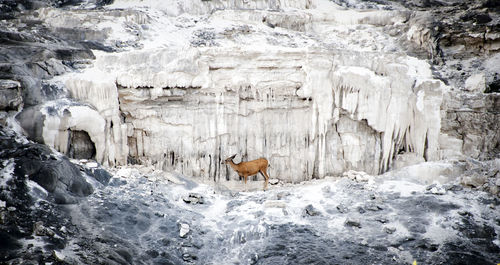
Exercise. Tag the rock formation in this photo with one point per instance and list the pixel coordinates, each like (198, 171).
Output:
(315, 88)
(320, 88)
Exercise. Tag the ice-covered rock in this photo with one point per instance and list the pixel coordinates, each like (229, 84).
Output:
(185, 108)
(183, 230)
(315, 88)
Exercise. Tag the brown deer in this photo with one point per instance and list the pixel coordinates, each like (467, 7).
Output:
(250, 168)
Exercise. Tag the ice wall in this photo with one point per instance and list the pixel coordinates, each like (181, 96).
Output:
(317, 98)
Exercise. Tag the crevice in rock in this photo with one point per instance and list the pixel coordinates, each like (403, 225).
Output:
(80, 146)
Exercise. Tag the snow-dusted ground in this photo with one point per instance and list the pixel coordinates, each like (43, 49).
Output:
(148, 216)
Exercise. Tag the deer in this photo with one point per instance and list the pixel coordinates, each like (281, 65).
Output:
(250, 168)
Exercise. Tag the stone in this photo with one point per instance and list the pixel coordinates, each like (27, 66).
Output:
(117, 182)
(357, 175)
(438, 190)
(353, 223)
(474, 179)
(382, 220)
(187, 257)
(58, 256)
(54, 173)
(389, 230)
(40, 230)
(98, 173)
(476, 83)
(274, 181)
(10, 95)
(311, 211)
(183, 230)
(193, 198)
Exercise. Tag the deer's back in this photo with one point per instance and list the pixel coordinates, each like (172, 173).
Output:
(252, 167)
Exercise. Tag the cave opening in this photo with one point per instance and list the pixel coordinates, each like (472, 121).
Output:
(80, 145)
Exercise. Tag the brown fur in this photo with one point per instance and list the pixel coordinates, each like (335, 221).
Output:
(250, 168)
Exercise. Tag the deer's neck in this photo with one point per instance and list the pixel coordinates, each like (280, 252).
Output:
(233, 165)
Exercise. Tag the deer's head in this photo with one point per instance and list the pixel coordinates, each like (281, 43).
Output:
(229, 159)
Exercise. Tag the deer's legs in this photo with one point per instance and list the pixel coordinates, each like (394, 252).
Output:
(245, 177)
(264, 173)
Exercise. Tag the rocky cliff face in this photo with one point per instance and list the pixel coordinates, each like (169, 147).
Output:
(316, 88)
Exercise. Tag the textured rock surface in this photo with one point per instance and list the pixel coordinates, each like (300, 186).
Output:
(54, 173)
(389, 220)
(10, 95)
(187, 108)
(315, 88)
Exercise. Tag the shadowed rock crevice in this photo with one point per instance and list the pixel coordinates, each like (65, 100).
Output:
(80, 145)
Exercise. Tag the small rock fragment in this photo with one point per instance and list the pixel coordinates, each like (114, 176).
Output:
(389, 230)
(383, 220)
(193, 198)
(274, 181)
(353, 223)
(189, 257)
(40, 230)
(184, 230)
(58, 256)
(311, 211)
(358, 176)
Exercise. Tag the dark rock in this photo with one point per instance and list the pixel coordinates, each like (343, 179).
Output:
(40, 230)
(311, 211)
(125, 254)
(193, 198)
(153, 253)
(382, 220)
(10, 95)
(493, 87)
(56, 174)
(116, 182)
(81, 146)
(352, 223)
(100, 174)
(189, 257)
